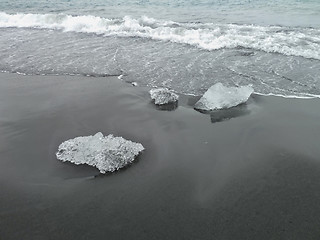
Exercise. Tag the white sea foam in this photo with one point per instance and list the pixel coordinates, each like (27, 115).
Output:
(298, 96)
(303, 42)
(108, 153)
(220, 97)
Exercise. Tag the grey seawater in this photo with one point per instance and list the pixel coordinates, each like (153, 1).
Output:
(184, 68)
(260, 12)
(186, 45)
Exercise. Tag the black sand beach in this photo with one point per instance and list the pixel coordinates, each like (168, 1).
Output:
(252, 172)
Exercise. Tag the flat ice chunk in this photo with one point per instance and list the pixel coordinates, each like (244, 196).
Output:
(108, 153)
(163, 96)
(220, 97)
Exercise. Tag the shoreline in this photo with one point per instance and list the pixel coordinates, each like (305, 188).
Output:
(245, 173)
(134, 84)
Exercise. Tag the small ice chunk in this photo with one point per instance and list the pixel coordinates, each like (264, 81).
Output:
(134, 84)
(120, 76)
(220, 97)
(108, 153)
(163, 96)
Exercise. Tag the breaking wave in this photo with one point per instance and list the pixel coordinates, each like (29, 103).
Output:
(304, 42)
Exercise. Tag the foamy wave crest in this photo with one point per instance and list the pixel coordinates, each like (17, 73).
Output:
(303, 42)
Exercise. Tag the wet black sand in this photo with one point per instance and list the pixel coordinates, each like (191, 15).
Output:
(249, 173)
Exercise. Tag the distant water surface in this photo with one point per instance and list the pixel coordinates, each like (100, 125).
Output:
(184, 45)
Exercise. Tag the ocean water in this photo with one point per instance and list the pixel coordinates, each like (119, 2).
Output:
(186, 45)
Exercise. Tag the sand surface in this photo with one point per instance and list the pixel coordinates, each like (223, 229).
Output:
(252, 172)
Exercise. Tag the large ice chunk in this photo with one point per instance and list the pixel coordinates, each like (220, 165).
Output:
(108, 153)
(163, 96)
(220, 97)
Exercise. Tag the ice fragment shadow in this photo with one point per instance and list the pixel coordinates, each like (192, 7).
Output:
(226, 114)
(166, 107)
